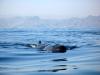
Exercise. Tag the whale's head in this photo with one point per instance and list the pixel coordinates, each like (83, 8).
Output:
(59, 48)
(56, 48)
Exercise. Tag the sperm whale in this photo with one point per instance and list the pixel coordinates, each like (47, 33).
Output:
(56, 48)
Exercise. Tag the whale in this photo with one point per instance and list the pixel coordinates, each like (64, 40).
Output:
(55, 48)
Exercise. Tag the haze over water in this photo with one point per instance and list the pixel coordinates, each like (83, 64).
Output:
(67, 22)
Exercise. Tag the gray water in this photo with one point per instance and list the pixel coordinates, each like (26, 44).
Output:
(16, 58)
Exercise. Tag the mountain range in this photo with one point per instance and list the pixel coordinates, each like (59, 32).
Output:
(35, 22)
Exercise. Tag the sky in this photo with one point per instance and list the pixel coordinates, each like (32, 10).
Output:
(49, 8)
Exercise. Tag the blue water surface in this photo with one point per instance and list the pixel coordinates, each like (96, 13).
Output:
(16, 58)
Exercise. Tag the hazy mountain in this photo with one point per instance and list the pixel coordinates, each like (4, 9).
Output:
(90, 22)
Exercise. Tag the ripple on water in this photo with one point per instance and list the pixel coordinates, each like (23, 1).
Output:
(16, 58)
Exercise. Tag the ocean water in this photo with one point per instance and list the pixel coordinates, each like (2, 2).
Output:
(16, 58)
